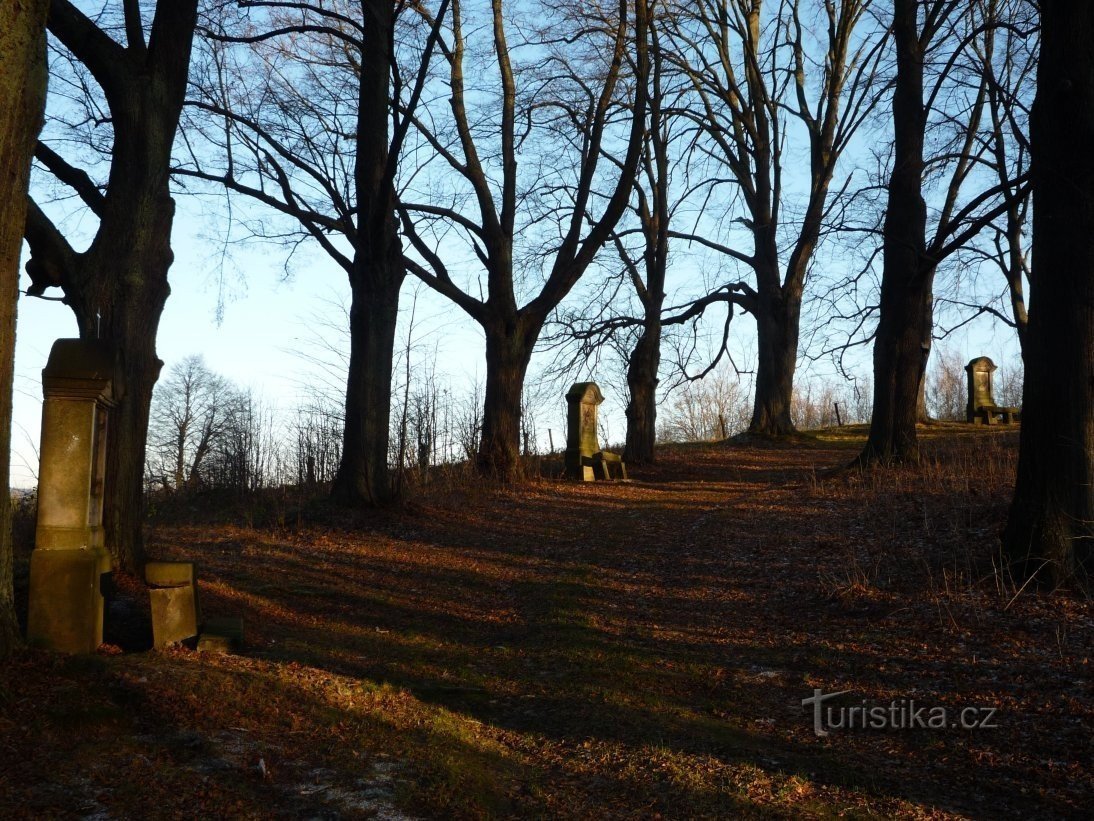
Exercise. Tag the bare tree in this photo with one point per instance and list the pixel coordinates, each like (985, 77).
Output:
(754, 91)
(191, 412)
(554, 202)
(317, 449)
(947, 387)
(247, 456)
(899, 355)
(117, 286)
(1050, 530)
(707, 409)
(1004, 55)
(22, 101)
(648, 273)
(294, 111)
(641, 240)
(902, 343)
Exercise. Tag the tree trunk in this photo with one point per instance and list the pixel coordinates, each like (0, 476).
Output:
(362, 476)
(135, 276)
(905, 283)
(921, 413)
(777, 319)
(123, 508)
(508, 352)
(1050, 530)
(375, 279)
(642, 369)
(22, 102)
(121, 298)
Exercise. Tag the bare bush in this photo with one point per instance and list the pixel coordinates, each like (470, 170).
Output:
(714, 407)
(947, 387)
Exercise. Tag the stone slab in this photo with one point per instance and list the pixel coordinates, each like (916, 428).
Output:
(174, 615)
(170, 574)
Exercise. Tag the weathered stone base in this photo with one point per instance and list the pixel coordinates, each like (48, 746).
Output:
(986, 415)
(66, 600)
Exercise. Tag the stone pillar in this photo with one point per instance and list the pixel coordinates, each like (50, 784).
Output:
(980, 372)
(582, 401)
(70, 561)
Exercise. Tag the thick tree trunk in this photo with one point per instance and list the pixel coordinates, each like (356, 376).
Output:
(777, 321)
(22, 101)
(899, 366)
(123, 509)
(1050, 530)
(641, 412)
(362, 476)
(123, 293)
(905, 284)
(508, 352)
(375, 280)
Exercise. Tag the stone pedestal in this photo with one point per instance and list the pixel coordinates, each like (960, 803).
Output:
(66, 600)
(176, 615)
(80, 385)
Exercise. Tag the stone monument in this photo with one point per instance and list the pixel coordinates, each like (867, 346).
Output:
(584, 459)
(70, 563)
(981, 407)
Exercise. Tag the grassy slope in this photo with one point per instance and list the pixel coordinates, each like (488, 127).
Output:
(586, 650)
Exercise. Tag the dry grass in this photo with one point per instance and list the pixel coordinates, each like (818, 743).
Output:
(622, 650)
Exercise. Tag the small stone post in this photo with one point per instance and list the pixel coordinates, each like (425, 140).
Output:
(67, 568)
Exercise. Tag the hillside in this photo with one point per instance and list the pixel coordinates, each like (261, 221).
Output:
(607, 650)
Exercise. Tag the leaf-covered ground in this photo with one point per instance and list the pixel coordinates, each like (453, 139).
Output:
(559, 649)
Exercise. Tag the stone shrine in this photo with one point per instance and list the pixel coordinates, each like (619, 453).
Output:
(584, 459)
(70, 563)
(981, 407)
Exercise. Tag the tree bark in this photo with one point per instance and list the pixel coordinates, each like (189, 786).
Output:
(777, 328)
(641, 410)
(655, 214)
(905, 283)
(362, 476)
(123, 508)
(508, 352)
(22, 103)
(1050, 529)
(121, 297)
(922, 415)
